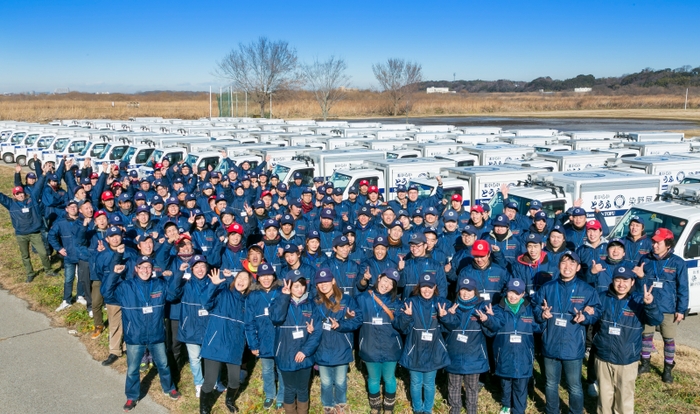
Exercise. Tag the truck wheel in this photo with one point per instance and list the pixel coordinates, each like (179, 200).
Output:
(8, 158)
(21, 160)
(30, 164)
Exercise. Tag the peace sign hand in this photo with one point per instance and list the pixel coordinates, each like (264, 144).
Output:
(310, 327)
(441, 310)
(334, 323)
(483, 317)
(489, 309)
(191, 219)
(287, 289)
(580, 317)
(546, 311)
(409, 309)
(453, 309)
(648, 297)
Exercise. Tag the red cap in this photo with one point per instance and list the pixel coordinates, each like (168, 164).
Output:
(457, 197)
(115, 167)
(212, 197)
(94, 176)
(364, 182)
(99, 213)
(662, 234)
(594, 224)
(235, 228)
(17, 190)
(373, 189)
(477, 208)
(116, 184)
(183, 237)
(158, 166)
(107, 195)
(265, 193)
(480, 248)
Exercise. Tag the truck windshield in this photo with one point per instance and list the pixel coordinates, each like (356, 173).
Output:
(691, 180)
(192, 160)
(340, 180)
(60, 144)
(44, 142)
(542, 149)
(423, 189)
(281, 172)
(156, 155)
(652, 221)
(16, 138)
(30, 139)
(128, 154)
(391, 155)
(117, 152)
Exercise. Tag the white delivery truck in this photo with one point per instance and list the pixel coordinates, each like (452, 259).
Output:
(474, 139)
(574, 160)
(203, 159)
(498, 153)
(652, 136)
(671, 168)
(432, 149)
(137, 155)
(460, 159)
(384, 144)
(99, 152)
(480, 130)
(528, 140)
(64, 146)
(20, 151)
(476, 185)
(588, 144)
(324, 163)
(533, 132)
(679, 211)
(610, 191)
(589, 135)
(389, 173)
(173, 154)
(658, 147)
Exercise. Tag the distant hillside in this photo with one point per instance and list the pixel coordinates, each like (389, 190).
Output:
(685, 76)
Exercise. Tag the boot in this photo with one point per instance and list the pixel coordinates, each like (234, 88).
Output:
(389, 401)
(302, 407)
(206, 401)
(231, 399)
(290, 408)
(375, 404)
(667, 376)
(341, 409)
(644, 367)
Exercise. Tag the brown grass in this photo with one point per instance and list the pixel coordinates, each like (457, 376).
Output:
(358, 104)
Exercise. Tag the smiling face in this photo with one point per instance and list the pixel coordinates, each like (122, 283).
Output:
(514, 298)
(427, 292)
(384, 285)
(325, 288)
(568, 268)
(298, 290)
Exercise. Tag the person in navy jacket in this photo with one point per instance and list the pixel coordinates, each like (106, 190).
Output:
(142, 300)
(63, 237)
(380, 342)
(488, 277)
(466, 346)
(297, 336)
(565, 307)
(513, 325)
(341, 317)
(422, 321)
(224, 301)
(618, 340)
(260, 333)
(637, 244)
(345, 270)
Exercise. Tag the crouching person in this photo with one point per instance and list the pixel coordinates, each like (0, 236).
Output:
(142, 300)
(619, 340)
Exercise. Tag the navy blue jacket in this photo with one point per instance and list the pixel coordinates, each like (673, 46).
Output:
(419, 354)
(415, 267)
(513, 359)
(336, 345)
(289, 317)
(224, 337)
(66, 234)
(466, 343)
(345, 272)
(490, 281)
(379, 342)
(635, 250)
(26, 216)
(259, 331)
(670, 270)
(534, 274)
(193, 317)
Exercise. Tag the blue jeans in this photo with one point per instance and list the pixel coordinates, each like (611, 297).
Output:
(69, 276)
(268, 377)
(134, 353)
(376, 371)
(193, 352)
(423, 390)
(572, 371)
(334, 385)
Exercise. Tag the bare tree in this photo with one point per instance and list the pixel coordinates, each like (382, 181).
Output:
(261, 68)
(328, 82)
(398, 78)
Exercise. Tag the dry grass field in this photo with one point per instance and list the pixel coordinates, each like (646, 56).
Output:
(357, 104)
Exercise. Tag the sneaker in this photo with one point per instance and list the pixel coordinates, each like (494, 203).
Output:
(268, 403)
(51, 273)
(197, 390)
(220, 387)
(90, 313)
(505, 410)
(143, 367)
(593, 389)
(173, 394)
(64, 305)
(130, 404)
(81, 300)
(30, 278)
(279, 406)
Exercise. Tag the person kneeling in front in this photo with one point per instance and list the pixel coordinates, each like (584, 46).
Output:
(142, 299)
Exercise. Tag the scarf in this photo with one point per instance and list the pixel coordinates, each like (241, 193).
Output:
(306, 207)
(515, 308)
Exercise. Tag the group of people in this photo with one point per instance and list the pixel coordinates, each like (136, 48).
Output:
(233, 267)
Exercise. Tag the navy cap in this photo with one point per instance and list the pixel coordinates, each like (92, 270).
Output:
(238, 185)
(156, 200)
(535, 204)
(533, 238)
(328, 213)
(337, 191)
(313, 234)
(197, 212)
(143, 209)
(140, 195)
(114, 231)
(185, 165)
(623, 273)
(578, 211)
(253, 174)
(417, 213)
(328, 200)
(158, 183)
(417, 238)
(295, 202)
(486, 207)
(540, 215)
(501, 220)
(172, 200)
(353, 190)
(286, 219)
(431, 210)
(512, 205)
(265, 270)
(364, 211)
(467, 283)
(469, 229)
(297, 176)
(380, 241)
(517, 286)
(258, 204)
(572, 255)
(220, 197)
(33, 176)
(402, 213)
(84, 181)
(52, 177)
(340, 241)
(116, 220)
(321, 190)
(617, 241)
(271, 223)
(245, 177)
(323, 275)
(293, 275)
(427, 279)
(307, 190)
(329, 184)
(197, 258)
(282, 187)
(450, 215)
(348, 228)
(392, 274)
(124, 197)
(395, 223)
(190, 197)
(318, 179)
(73, 201)
(400, 188)
(213, 174)
(412, 187)
(143, 259)
(262, 173)
(558, 229)
(229, 210)
(637, 219)
(290, 248)
(178, 180)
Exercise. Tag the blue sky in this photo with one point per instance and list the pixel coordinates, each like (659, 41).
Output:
(127, 46)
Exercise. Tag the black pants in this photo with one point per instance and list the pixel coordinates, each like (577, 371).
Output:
(84, 279)
(296, 385)
(175, 344)
(211, 374)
